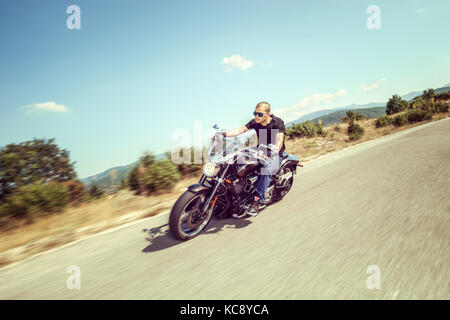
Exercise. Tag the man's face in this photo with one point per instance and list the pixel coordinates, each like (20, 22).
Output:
(264, 113)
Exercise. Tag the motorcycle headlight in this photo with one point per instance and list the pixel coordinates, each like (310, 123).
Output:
(210, 169)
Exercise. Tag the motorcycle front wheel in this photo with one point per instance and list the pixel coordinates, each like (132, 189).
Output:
(186, 220)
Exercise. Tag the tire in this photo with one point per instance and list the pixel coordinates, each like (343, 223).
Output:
(283, 192)
(188, 200)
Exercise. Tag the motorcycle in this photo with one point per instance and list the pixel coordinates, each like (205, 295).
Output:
(226, 187)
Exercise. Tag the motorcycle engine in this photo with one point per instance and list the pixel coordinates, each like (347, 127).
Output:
(237, 186)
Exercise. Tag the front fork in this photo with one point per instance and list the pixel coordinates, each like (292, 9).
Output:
(214, 190)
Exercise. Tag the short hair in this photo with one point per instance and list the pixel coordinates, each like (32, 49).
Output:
(264, 105)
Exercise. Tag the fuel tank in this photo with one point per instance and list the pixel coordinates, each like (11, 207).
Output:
(245, 168)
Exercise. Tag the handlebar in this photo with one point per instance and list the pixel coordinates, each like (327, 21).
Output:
(257, 153)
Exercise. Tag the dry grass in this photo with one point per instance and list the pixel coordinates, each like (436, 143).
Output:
(307, 149)
(16, 233)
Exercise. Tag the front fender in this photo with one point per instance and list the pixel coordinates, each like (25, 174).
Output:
(198, 187)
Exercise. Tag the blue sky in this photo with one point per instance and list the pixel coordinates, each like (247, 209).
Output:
(138, 70)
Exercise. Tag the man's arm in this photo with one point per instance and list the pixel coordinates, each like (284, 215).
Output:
(279, 139)
(236, 132)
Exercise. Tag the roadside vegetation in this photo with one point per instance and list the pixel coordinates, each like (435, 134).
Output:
(399, 112)
(37, 180)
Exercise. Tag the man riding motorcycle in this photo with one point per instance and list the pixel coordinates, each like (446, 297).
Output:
(270, 131)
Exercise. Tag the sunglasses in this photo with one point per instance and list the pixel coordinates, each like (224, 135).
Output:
(258, 113)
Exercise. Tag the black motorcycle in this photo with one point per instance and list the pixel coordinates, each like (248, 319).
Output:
(226, 186)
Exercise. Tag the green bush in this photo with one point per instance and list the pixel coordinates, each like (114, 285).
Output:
(383, 121)
(188, 169)
(396, 104)
(428, 94)
(76, 191)
(123, 184)
(320, 130)
(355, 131)
(36, 199)
(133, 178)
(400, 120)
(352, 116)
(337, 127)
(33, 161)
(417, 102)
(427, 106)
(96, 192)
(417, 115)
(441, 107)
(306, 129)
(161, 175)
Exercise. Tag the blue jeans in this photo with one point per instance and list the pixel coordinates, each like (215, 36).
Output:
(269, 168)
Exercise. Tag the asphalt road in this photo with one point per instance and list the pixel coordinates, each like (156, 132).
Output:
(384, 203)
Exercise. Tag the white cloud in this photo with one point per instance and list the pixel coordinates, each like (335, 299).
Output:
(236, 61)
(49, 106)
(370, 86)
(307, 105)
(420, 10)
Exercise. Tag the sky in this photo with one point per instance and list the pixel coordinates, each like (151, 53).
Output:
(136, 72)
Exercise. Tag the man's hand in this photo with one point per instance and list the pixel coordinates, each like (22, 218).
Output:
(236, 132)
(273, 148)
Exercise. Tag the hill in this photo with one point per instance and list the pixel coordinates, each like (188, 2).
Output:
(335, 117)
(412, 95)
(320, 113)
(109, 180)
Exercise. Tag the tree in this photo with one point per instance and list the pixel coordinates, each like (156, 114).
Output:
(76, 191)
(38, 160)
(161, 175)
(133, 178)
(191, 168)
(35, 199)
(354, 130)
(123, 184)
(352, 116)
(396, 104)
(95, 191)
(417, 102)
(428, 94)
(147, 159)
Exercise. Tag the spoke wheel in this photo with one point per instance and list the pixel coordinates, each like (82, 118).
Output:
(186, 219)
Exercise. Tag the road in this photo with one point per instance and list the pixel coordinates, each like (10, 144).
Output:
(384, 203)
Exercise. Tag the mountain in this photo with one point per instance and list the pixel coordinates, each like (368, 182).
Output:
(412, 95)
(317, 114)
(335, 117)
(443, 89)
(109, 180)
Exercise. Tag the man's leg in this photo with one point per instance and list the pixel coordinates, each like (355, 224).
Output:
(270, 168)
(261, 186)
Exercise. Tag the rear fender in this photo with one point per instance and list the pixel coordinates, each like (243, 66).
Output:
(291, 162)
